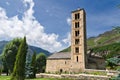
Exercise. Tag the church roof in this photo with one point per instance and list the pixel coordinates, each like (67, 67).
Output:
(61, 55)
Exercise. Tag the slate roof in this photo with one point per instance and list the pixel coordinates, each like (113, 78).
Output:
(61, 55)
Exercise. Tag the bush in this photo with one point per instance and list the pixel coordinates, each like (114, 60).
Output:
(116, 78)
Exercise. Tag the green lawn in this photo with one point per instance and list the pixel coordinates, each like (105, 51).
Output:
(8, 78)
(4, 77)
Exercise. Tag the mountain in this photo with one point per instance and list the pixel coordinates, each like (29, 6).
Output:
(2, 44)
(39, 50)
(66, 49)
(106, 38)
(31, 48)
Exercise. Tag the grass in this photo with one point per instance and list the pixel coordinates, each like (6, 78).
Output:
(97, 73)
(4, 77)
(108, 38)
(8, 78)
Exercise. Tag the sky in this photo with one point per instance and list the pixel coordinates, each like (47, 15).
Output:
(47, 23)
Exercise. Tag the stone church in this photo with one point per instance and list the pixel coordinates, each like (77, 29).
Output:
(77, 60)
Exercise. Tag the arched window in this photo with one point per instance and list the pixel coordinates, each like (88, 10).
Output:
(77, 16)
(76, 24)
(77, 50)
(77, 33)
(76, 41)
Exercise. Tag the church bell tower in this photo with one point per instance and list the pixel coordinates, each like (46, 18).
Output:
(78, 40)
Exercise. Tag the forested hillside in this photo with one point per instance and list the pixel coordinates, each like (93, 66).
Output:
(31, 48)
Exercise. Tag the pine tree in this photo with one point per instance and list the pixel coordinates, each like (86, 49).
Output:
(28, 70)
(19, 67)
(30, 67)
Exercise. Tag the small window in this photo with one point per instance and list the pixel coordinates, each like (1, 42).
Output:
(76, 41)
(78, 15)
(65, 62)
(77, 58)
(77, 49)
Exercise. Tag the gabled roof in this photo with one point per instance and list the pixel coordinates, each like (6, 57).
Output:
(61, 55)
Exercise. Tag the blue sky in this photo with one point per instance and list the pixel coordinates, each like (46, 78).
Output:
(46, 23)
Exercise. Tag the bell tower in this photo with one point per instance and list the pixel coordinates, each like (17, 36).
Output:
(78, 40)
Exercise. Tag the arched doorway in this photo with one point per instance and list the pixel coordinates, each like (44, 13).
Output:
(61, 70)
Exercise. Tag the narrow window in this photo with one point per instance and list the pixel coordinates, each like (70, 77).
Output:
(77, 33)
(77, 24)
(65, 62)
(75, 16)
(78, 15)
(77, 58)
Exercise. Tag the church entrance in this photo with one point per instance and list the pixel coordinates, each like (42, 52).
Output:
(61, 71)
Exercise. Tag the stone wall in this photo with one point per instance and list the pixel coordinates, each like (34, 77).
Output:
(97, 63)
(95, 70)
(74, 76)
(54, 66)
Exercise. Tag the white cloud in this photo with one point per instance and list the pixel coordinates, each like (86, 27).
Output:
(68, 21)
(67, 40)
(29, 26)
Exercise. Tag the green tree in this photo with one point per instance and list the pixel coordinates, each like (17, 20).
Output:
(33, 65)
(30, 65)
(19, 67)
(9, 54)
(113, 62)
(28, 71)
(41, 62)
(116, 78)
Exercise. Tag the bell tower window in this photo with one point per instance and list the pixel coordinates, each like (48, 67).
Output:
(77, 50)
(77, 33)
(76, 41)
(77, 16)
(76, 24)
